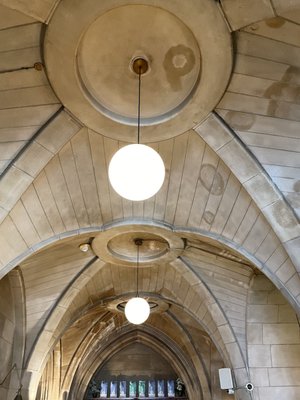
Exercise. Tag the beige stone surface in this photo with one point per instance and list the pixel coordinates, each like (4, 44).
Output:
(12, 185)
(284, 376)
(255, 333)
(285, 355)
(233, 157)
(209, 125)
(284, 222)
(276, 297)
(258, 297)
(278, 258)
(289, 10)
(262, 313)
(58, 132)
(230, 197)
(260, 376)
(259, 355)
(286, 314)
(7, 327)
(278, 393)
(37, 9)
(263, 189)
(235, 354)
(239, 15)
(10, 17)
(281, 333)
(24, 162)
(293, 284)
(294, 246)
(226, 333)
(286, 271)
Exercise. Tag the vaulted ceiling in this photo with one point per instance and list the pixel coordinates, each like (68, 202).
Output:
(227, 127)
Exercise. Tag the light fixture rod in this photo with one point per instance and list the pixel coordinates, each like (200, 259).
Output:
(138, 243)
(139, 106)
(139, 66)
(137, 270)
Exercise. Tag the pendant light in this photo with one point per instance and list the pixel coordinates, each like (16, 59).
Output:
(136, 171)
(137, 309)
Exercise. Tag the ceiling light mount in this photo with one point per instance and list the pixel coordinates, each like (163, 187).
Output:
(139, 65)
(138, 242)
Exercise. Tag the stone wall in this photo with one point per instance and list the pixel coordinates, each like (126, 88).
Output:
(137, 361)
(7, 325)
(273, 343)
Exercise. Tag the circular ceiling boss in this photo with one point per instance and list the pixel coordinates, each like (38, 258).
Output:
(117, 245)
(104, 63)
(187, 47)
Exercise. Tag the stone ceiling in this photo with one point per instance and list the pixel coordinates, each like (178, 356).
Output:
(221, 106)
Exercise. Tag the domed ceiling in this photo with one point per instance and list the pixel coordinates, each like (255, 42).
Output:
(220, 103)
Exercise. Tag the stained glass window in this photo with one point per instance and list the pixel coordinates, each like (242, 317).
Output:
(103, 389)
(122, 389)
(160, 388)
(151, 388)
(171, 388)
(132, 388)
(113, 389)
(142, 389)
(136, 389)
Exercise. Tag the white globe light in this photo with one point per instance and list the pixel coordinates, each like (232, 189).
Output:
(136, 172)
(137, 310)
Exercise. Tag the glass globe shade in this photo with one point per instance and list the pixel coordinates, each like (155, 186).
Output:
(136, 172)
(137, 310)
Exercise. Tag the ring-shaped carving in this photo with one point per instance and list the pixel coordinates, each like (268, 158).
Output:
(66, 49)
(116, 245)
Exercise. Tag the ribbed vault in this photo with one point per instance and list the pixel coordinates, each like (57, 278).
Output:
(231, 148)
(81, 302)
